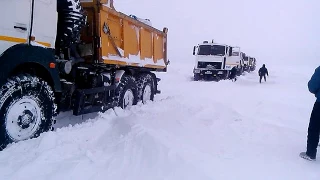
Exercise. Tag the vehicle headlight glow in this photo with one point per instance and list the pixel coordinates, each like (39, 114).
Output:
(196, 70)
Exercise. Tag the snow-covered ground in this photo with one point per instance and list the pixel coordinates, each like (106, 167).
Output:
(193, 130)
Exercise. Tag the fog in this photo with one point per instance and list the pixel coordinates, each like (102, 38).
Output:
(273, 31)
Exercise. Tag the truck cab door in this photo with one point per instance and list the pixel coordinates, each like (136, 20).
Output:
(44, 27)
(15, 22)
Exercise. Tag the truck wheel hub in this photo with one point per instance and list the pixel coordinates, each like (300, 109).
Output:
(26, 119)
(23, 118)
(128, 98)
(146, 94)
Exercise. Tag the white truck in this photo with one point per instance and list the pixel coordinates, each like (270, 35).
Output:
(212, 61)
(246, 66)
(236, 60)
(252, 63)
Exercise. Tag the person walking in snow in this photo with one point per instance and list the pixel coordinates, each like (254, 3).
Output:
(314, 124)
(233, 74)
(263, 71)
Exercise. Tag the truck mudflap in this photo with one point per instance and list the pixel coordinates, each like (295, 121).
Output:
(80, 104)
(157, 90)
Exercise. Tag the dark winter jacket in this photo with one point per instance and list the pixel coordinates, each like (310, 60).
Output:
(314, 84)
(263, 71)
(233, 72)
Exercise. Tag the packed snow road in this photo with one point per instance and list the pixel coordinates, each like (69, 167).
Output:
(193, 130)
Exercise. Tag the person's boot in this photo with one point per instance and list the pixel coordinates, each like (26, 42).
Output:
(307, 157)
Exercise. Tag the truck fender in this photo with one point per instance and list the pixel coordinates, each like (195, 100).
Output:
(118, 76)
(22, 56)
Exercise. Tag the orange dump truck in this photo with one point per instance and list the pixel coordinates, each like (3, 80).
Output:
(124, 40)
(75, 55)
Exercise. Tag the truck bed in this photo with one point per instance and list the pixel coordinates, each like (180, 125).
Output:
(124, 41)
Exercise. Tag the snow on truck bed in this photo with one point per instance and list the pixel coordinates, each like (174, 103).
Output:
(193, 130)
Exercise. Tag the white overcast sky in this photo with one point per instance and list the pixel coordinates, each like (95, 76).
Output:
(274, 31)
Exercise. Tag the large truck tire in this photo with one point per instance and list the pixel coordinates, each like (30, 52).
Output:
(146, 87)
(71, 20)
(126, 92)
(27, 109)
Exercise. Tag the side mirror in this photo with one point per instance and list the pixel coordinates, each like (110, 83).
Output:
(194, 50)
(230, 51)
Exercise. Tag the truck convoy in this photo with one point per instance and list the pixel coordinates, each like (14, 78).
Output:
(249, 63)
(72, 55)
(214, 61)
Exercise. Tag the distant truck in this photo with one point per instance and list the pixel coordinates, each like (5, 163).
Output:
(236, 60)
(246, 66)
(252, 64)
(211, 61)
(72, 55)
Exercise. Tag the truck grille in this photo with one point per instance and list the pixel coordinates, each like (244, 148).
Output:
(210, 65)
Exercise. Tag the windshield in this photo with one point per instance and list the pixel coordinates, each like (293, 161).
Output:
(215, 50)
(246, 58)
(235, 54)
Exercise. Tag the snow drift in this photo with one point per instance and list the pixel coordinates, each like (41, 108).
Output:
(193, 130)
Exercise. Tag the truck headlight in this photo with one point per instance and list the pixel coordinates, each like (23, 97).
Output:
(65, 66)
(196, 70)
